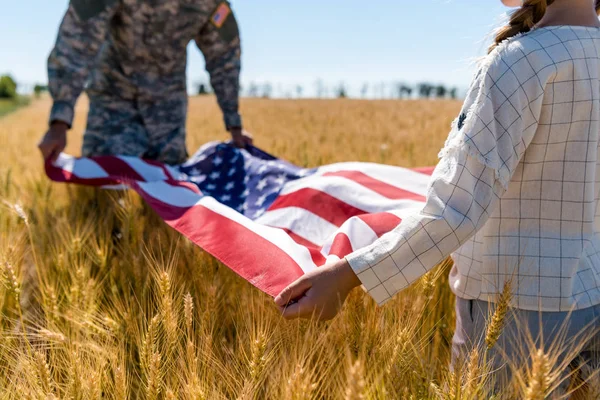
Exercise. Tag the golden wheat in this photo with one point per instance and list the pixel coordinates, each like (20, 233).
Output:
(100, 299)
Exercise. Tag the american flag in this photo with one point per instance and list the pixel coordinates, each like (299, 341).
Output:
(268, 220)
(221, 15)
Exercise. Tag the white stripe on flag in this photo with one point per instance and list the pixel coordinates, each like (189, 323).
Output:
(173, 195)
(349, 192)
(301, 222)
(148, 172)
(83, 168)
(402, 178)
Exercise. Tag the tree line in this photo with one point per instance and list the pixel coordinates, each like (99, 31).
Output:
(8, 88)
(395, 90)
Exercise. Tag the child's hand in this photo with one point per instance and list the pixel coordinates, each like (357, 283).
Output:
(321, 292)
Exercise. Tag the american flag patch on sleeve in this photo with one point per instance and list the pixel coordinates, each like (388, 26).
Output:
(221, 15)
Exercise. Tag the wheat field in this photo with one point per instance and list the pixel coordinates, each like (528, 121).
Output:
(143, 314)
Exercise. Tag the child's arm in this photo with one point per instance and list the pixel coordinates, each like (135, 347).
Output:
(462, 194)
(498, 121)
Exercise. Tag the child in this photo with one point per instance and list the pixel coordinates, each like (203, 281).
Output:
(514, 197)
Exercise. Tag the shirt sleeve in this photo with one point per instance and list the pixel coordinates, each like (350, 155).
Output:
(487, 141)
(80, 37)
(221, 46)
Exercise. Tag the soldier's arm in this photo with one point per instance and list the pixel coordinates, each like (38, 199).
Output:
(219, 41)
(81, 35)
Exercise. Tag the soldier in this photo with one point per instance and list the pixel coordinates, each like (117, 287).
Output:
(130, 56)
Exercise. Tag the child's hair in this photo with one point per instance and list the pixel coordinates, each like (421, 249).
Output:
(524, 19)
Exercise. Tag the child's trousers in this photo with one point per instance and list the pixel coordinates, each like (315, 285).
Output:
(523, 327)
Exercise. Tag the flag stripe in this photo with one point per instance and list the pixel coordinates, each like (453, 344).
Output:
(302, 222)
(319, 203)
(143, 168)
(381, 223)
(349, 192)
(119, 168)
(403, 178)
(341, 246)
(384, 189)
(317, 257)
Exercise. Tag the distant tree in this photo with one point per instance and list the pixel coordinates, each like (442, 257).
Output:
(425, 90)
(403, 91)
(253, 90)
(454, 93)
(267, 90)
(8, 87)
(341, 92)
(299, 90)
(364, 90)
(203, 89)
(39, 89)
(441, 91)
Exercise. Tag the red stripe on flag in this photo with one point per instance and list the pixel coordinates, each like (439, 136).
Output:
(58, 174)
(249, 255)
(424, 170)
(341, 245)
(381, 223)
(384, 189)
(117, 168)
(319, 203)
(312, 248)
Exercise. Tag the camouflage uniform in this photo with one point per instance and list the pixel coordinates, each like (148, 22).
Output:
(130, 55)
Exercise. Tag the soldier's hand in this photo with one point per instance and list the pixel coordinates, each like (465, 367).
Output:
(241, 138)
(54, 141)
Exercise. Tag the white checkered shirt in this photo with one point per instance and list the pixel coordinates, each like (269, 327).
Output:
(515, 195)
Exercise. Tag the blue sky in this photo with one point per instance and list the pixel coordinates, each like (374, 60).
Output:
(298, 42)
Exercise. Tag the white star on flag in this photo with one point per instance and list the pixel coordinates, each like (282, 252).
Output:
(231, 171)
(262, 184)
(198, 179)
(280, 180)
(261, 200)
(215, 175)
(229, 186)
(217, 161)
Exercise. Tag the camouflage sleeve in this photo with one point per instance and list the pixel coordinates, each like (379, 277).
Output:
(219, 41)
(80, 37)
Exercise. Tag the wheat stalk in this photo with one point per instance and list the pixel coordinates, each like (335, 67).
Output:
(496, 325)
(539, 380)
(355, 383)
(154, 380)
(43, 372)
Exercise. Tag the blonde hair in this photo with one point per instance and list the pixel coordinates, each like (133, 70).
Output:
(524, 19)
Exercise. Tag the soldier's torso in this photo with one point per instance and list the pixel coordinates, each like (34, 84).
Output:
(145, 55)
